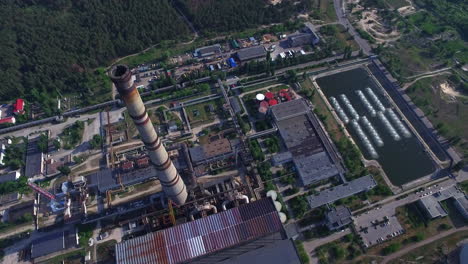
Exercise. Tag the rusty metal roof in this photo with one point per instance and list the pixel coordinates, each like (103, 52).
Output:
(203, 236)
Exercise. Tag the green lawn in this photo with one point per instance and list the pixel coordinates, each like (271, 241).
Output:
(435, 252)
(347, 248)
(448, 116)
(395, 4)
(199, 113)
(72, 135)
(324, 10)
(339, 34)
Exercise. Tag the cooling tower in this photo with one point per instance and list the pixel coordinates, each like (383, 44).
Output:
(172, 183)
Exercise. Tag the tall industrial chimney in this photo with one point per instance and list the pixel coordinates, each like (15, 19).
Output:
(171, 181)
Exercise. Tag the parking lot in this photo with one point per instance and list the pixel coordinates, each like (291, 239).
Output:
(376, 226)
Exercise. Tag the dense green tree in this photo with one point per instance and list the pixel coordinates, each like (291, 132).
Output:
(50, 48)
(227, 15)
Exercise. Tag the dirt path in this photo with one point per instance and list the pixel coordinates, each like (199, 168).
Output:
(407, 249)
(407, 85)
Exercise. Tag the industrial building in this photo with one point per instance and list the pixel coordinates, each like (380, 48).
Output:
(300, 39)
(282, 251)
(215, 238)
(306, 145)
(9, 198)
(308, 36)
(173, 185)
(338, 217)
(250, 53)
(341, 191)
(432, 208)
(59, 242)
(136, 169)
(34, 159)
(11, 176)
(208, 51)
(213, 151)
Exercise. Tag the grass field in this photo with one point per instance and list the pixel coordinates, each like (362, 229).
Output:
(436, 252)
(448, 116)
(325, 10)
(406, 60)
(339, 34)
(199, 113)
(320, 107)
(395, 4)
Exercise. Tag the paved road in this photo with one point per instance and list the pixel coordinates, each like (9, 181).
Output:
(340, 13)
(407, 249)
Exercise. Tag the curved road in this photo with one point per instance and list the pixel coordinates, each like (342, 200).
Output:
(340, 13)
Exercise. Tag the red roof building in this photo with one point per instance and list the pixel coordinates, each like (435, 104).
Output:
(241, 228)
(18, 107)
(8, 120)
(127, 166)
(269, 95)
(143, 162)
(272, 102)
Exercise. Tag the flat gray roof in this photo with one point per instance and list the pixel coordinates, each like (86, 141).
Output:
(312, 161)
(54, 242)
(432, 207)
(282, 251)
(251, 53)
(197, 154)
(34, 159)
(315, 167)
(289, 109)
(299, 136)
(11, 176)
(341, 191)
(338, 217)
(208, 50)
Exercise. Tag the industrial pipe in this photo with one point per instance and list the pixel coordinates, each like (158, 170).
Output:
(172, 183)
(243, 197)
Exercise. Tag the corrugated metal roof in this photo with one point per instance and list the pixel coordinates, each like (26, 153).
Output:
(203, 236)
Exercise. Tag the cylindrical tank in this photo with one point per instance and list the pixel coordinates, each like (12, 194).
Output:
(282, 217)
(278, 206)
(172, 183)
(272, 194)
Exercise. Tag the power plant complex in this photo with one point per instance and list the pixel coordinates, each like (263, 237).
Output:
(172, 183)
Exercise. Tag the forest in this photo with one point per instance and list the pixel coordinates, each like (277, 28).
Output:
(52, 48)
(210, 16)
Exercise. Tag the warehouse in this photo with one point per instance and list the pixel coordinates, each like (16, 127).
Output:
(311, 157)
(208, 51)
(250, 53)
